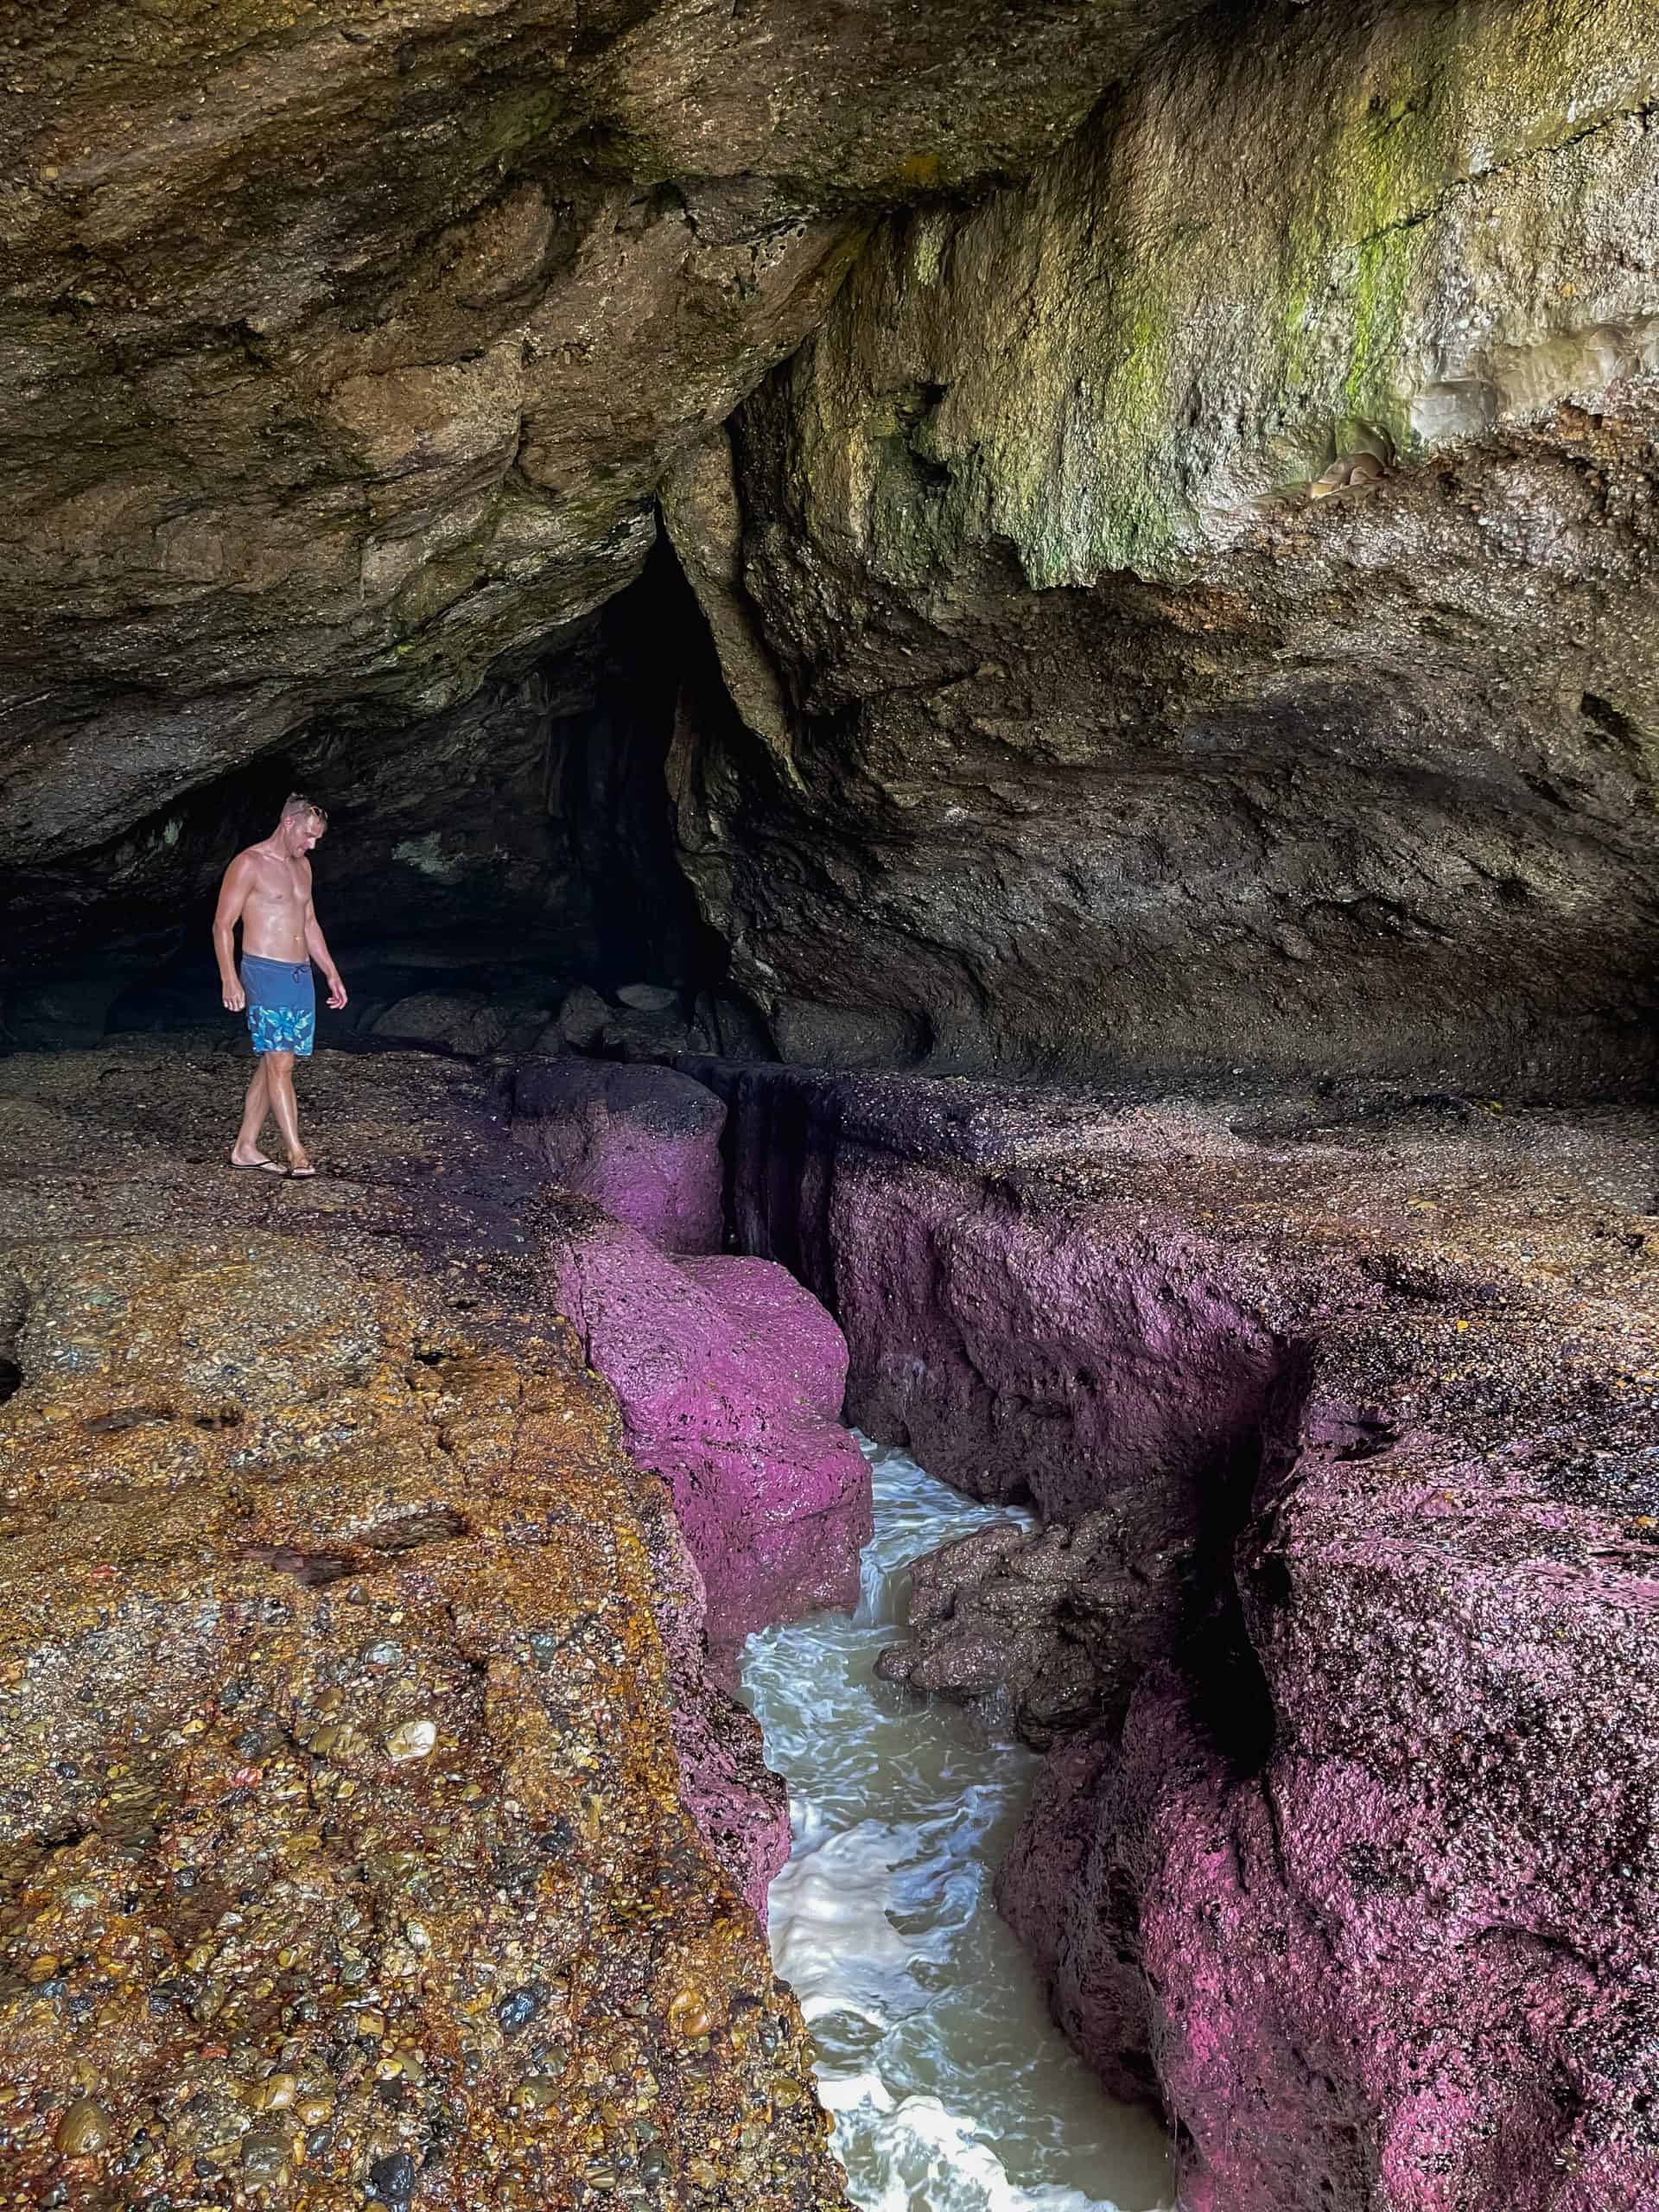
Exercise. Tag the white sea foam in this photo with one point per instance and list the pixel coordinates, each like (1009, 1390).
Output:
(951, 2092)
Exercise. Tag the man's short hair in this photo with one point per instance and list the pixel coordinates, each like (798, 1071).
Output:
(297, 803)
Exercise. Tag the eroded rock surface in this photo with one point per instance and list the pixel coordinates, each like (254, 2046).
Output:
(1364, 1891)
(348, 343)
(343, 1835)
(1075, 733)
(1064, 1622)
(730, 1377)
(642, 1142)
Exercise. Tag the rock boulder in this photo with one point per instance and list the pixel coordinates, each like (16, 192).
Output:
(642, 1141)
(729, 1377)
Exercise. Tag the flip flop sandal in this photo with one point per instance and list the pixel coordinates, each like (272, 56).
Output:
(299, 1174)
(259, 1167)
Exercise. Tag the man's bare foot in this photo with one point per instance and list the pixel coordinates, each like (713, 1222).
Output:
(257, 1160)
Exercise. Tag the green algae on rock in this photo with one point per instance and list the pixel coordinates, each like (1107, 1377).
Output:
(1107, 747)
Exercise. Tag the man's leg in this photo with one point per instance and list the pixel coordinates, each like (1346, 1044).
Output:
(245, 1151)
(279, 1079)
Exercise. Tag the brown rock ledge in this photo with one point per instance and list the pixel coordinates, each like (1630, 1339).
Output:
(342, 1851)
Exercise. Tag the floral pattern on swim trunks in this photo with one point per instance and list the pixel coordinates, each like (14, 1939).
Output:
(283, 1029)
(282, 1005)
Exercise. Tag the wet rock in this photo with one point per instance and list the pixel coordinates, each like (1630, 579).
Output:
(1369, 1862)
(392, 2180)
(649, 998)
(583, 1015)
(642, 1142)
(462, 1022)
(729, 1377)
(741, 1807)
(650, 1036)
(459, 1465)
(411, 1739)
(519, 2008)
(85, 2128)
(1064, 1622)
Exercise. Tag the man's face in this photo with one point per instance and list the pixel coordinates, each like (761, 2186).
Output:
(303, 831)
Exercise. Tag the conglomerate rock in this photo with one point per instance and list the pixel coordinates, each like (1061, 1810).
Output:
(1076, 733)
(1364, 1892)
(344, 1849)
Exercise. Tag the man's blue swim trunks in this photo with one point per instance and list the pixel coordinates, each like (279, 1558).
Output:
(282, 1005)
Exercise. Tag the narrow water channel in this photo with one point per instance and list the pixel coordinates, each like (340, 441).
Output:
(952, 2091)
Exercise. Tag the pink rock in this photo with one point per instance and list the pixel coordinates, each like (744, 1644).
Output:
(642, 1141)
(740, 1806)
(1367, 1896)
(729, 1377)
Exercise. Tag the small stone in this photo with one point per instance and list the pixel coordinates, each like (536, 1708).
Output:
(84, 2129)
(412, 1739)
(519, 2008)
(689, 2013)
(537, 2093)
(275, 2093)
(648, 998)
(392, 2179)
(265, 2157)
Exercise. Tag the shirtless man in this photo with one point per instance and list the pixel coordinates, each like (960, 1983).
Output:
(267, 889)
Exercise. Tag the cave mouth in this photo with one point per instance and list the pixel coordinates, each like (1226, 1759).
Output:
(479, 867)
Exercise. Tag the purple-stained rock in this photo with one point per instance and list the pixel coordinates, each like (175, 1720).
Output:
(1412, 1959)
(740, 1807)
(1366, 1895)
(729, 1377)
(642, 1141)
(1064, 1621)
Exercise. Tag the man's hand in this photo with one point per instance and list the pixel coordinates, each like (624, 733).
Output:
(235, 997)
(336, 993)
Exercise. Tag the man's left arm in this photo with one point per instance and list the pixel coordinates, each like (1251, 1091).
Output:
(317, 945)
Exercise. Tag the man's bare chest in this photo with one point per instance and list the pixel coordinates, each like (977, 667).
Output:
(280, 887)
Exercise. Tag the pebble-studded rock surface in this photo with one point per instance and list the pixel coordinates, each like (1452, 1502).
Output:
(343, 1860)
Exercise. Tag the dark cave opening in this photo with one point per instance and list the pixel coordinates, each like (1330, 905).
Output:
(480, 865)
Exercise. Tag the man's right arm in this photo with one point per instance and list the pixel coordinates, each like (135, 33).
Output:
(232, 897)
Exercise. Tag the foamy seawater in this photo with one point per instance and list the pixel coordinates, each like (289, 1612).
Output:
(950, 2089)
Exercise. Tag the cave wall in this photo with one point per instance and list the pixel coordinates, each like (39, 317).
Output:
(345, 343)
(1080, 732)
(526, 833)
(1058, 727)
